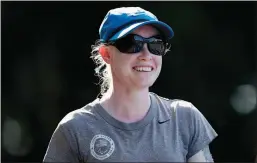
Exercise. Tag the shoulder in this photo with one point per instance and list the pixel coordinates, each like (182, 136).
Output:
(80, 117)
(181, 111)
(195, 130)
(176, 106)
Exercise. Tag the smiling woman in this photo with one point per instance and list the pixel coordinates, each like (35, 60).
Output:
(129, 123)
(131, 53)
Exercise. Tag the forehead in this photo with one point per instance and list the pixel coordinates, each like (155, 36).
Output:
(146, 31)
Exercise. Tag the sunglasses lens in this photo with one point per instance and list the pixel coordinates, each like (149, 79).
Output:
(128, 44)
(134, 44)
(157, 48)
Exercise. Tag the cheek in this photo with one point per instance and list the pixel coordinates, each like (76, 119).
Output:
(122, 63)
(158, 61)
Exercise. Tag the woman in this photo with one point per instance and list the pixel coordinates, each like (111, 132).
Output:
(129, 123)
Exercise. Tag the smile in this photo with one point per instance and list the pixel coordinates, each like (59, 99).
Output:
(143, 69)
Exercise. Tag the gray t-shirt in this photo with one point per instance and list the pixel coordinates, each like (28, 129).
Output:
(172, 131)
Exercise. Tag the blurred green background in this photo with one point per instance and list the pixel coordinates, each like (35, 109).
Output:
(47, 72)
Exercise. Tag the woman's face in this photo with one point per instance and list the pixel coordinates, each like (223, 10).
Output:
(138, 70)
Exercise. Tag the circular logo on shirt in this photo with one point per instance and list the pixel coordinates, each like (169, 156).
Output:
(101, 147)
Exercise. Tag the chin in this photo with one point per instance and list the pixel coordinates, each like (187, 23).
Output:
(144, 85)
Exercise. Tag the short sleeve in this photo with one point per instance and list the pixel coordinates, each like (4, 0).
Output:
(201, 132)
(59, 148)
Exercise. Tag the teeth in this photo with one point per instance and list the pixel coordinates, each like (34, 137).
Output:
(147, 69)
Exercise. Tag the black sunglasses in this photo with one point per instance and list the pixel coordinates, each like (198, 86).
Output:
(133, 43)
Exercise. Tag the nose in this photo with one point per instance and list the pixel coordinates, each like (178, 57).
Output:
(145, 54)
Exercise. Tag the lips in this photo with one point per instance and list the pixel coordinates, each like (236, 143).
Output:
(143, 68)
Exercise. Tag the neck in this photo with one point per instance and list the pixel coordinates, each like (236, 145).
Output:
(125, 104)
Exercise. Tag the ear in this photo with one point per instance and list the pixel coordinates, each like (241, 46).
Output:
(104, 52)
